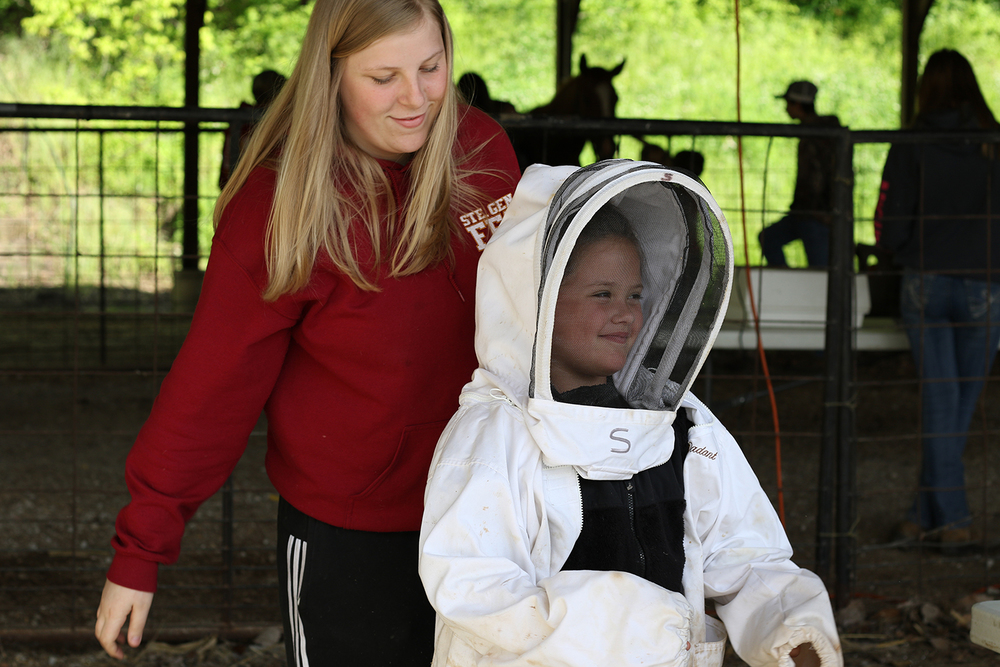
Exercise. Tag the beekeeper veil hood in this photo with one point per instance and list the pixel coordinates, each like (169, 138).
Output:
(684, 255)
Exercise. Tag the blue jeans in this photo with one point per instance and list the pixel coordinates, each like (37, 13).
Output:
(956, 324)
(814, 234)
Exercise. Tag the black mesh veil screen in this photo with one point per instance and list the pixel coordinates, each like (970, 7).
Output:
(679, 247)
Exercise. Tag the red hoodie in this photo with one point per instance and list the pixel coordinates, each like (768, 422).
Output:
(357, 386)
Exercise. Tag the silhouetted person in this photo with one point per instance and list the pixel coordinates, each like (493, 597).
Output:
(810, 213)
(692, 162)
(266, 86)
(475, 91)
(937, 216)
(654, 153)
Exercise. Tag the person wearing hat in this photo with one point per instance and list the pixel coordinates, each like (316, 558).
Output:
(810, 213)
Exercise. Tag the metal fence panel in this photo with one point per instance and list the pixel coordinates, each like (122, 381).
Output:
(91, 219)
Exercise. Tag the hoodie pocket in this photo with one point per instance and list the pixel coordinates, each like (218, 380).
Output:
(406, 475)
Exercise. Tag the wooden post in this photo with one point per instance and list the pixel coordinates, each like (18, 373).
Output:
(914, 15)
(567, 12)
(194, 20)
(187, 280)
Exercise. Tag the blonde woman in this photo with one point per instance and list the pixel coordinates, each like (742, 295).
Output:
(339, 298)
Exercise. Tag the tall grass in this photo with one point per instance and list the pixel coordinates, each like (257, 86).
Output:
(682, 64)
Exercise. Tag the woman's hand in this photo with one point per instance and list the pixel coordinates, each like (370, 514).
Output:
(804, 655)
(120, 604)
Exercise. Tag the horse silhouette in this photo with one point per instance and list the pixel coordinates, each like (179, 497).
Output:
(588, 95)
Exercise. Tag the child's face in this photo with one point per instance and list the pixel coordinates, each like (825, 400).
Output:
(598, 314)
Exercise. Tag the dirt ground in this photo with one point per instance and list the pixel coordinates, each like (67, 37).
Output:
(208, 652)
(69, 419)
(909, 634)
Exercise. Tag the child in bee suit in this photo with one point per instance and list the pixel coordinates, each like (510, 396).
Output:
(582, 505)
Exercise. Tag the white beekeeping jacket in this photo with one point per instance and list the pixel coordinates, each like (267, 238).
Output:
(503, 504)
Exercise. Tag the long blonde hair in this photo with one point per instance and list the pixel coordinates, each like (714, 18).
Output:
(310, 209)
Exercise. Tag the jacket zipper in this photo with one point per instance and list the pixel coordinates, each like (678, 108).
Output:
(630, 492)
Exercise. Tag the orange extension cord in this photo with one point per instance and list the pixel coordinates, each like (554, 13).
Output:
(746, 257)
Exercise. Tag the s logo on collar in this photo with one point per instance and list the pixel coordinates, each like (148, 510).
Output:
(628, 444)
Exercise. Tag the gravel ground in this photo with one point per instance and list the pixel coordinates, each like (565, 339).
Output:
(72, 431)
(908, 634)
(207, 652)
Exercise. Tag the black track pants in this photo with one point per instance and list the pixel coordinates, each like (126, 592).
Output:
(350, 597)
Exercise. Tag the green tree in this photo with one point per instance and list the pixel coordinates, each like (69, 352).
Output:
(130, 47)
(12, 12)
(132, 52)
(681, 62)
(239, 40)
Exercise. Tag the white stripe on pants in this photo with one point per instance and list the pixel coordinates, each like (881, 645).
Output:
(295, 562)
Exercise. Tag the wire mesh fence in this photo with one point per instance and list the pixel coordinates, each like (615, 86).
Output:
(91, 256)
(94, 309)
(891, 400)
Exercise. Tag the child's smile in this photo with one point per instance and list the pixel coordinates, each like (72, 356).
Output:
(598, 314)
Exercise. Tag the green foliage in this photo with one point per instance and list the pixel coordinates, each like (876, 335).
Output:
(236, 45)
(133, 52)
(848, 16)
(972, 28)
(12, 12)
(681, 64)
(125, 45)
(511, 43)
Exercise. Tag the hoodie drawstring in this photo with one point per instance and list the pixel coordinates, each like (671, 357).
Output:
(451, 279)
